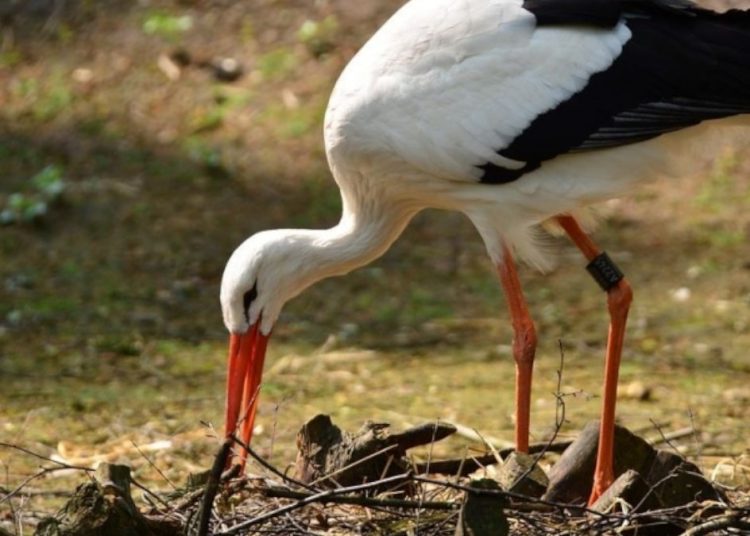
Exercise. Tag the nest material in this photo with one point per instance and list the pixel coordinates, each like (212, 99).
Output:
(657, 493)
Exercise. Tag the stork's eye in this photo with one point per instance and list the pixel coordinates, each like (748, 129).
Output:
(247, 300)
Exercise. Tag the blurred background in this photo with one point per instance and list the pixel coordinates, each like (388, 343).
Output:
(140, 142)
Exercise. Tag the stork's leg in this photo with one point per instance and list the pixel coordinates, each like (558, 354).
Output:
(524, 346)
(619, 297)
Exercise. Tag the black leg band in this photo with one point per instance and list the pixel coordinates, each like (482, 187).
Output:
(604, 271)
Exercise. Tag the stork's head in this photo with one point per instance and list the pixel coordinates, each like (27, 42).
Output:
(262, 274)
(269, 269)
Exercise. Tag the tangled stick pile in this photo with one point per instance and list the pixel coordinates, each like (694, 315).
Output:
(362, 483)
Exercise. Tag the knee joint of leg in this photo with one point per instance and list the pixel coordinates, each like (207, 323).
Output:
(620, 296)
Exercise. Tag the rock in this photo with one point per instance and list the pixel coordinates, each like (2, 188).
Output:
(631, 493)
(631, 489)
(226, 69)
(677, 481)
(327, 454)
(105, 508)
(572, 476)
(519, 474)
(482, 515)
(636, 391)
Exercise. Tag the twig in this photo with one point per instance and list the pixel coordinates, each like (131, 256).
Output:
(430, 451)
(38, 474)
(257, 457)
(61, 466)
(559, 418)
(148, 492)
(355, 463)
(212, 487)
(191, 497)
(424, 434)
(323, 496)
(490, 446)
(153, 465)
(457, 474)
(652, 488)
(516, 496)
(41, 492)
(470, 434)
(698, 443)
(275, 422)
(560, 402)
(465, 466)
(733, 520)
(668, 437)
(42, 457)
(363, 500)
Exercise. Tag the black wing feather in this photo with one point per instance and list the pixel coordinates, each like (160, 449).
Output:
(682, 65)
(603, 13)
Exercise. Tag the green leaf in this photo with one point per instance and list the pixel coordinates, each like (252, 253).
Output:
(49, 182)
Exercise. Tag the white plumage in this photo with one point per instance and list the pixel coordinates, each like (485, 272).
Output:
(443, 95)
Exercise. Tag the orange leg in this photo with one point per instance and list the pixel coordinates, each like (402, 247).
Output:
(619, 297)
(524, 346)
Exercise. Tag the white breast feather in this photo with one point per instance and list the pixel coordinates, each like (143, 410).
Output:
(444, 84)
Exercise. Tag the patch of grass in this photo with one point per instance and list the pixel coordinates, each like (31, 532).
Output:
(293, 122)
(64, 33)
(720, 186)
(247, 30)
(48, 306)
(10, 58)
(421, 305)
(43, 99)
(32, 204)
(319, 36)
(207, 155)
(297, 125)
(224, 104)
(92, 126)
(323, 206)
(205, 120)
(119, 344)
(724, 238)
(167, 25)
(277, 63)
(53, 101)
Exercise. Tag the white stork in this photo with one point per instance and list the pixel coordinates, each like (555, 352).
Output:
(513, 112)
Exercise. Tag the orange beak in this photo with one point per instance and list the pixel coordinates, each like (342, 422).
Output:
(246, 356)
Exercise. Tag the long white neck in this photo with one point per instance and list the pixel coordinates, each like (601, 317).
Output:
(282, 263)
(358, 239)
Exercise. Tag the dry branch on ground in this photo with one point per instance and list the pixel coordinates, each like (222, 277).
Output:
(407, 501)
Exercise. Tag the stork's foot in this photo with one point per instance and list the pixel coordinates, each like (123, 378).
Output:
(630, 492)
(601, 484)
